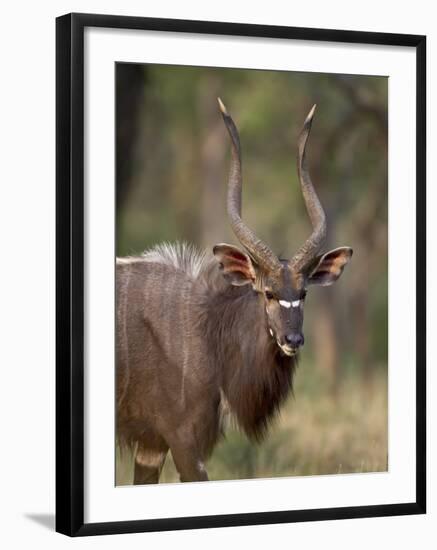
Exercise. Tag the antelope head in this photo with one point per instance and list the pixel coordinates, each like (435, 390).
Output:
(282, 284)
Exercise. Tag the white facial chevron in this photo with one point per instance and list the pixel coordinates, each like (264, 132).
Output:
(286, 304)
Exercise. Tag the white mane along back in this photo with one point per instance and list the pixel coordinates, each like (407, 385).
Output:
(183, 256)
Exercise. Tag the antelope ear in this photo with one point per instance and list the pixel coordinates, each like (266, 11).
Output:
(328, 267)
(236, 265)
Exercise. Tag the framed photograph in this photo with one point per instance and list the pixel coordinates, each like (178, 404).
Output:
(217, 183)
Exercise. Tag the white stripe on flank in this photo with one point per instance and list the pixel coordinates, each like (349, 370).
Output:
(284, 303)
(295, 303)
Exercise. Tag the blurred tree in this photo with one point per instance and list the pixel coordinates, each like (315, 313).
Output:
(131, 79)
(349, 133)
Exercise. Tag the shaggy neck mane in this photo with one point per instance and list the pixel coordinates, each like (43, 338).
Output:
(254, 374)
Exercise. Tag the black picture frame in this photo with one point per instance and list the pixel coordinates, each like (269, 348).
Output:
(70, 273)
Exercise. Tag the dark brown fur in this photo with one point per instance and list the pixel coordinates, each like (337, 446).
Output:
(185, 344)
(254, 374)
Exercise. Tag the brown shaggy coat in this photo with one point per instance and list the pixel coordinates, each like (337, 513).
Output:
(190, 345)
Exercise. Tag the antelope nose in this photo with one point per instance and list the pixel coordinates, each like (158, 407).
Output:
(295, 340)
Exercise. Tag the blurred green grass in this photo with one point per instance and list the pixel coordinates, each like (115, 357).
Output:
(318, 432)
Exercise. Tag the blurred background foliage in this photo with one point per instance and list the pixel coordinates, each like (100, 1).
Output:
(172, 167)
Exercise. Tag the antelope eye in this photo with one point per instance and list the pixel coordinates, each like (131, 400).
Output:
(269, 295)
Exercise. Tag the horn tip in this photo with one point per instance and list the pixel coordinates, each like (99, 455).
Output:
(222, 107)
(311, 113)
